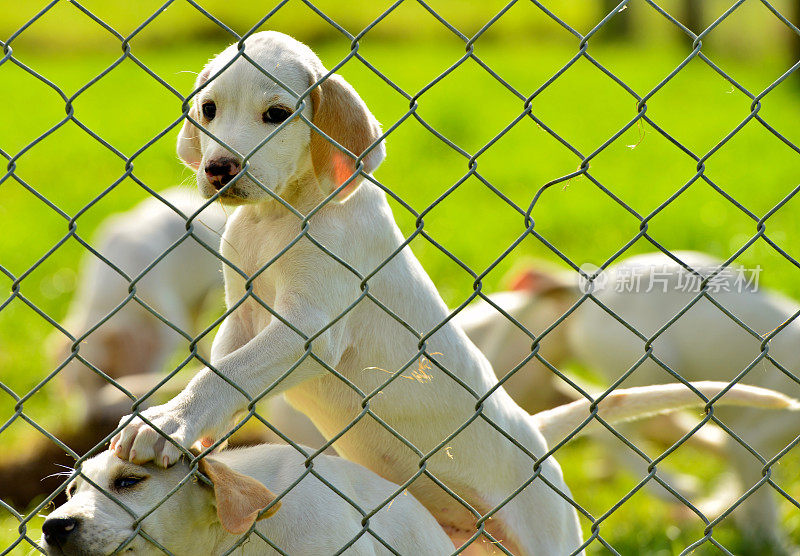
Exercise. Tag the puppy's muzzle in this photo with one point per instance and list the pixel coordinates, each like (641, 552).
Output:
(58, 530)
(222, 170)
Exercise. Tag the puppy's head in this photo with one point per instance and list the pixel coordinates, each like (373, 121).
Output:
(91, 522)
(241, 106)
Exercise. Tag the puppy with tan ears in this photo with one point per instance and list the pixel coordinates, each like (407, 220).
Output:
(291, 327)
(246, 493)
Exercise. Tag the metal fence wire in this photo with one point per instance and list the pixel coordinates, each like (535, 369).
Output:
(28, 535)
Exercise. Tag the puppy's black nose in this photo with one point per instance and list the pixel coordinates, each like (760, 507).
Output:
(57, 529)
(220, 171)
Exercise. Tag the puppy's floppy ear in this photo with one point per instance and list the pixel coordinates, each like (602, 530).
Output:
(239, 497)
(542, 283)
(343, 116)
(534, 280)
(189, 137)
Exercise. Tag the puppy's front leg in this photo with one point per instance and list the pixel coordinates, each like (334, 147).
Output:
(206, 407)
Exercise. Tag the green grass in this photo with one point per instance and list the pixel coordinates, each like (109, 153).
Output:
(127, 108)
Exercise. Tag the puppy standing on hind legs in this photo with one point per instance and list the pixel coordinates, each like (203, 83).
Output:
(312, 291)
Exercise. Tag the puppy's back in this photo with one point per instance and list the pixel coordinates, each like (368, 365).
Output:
(313, 513)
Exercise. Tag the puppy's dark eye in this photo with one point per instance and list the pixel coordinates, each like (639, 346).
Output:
(275, 115)
(71, 490)
(126, 482)
(209, 110)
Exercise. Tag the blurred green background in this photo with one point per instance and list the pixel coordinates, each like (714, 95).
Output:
(525, 47)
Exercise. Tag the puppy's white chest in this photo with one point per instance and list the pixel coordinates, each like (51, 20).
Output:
(250, 249)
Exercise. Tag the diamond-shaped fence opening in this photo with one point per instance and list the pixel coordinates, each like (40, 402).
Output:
(580, 134)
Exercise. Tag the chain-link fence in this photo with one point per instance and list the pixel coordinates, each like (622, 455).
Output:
(425, 362)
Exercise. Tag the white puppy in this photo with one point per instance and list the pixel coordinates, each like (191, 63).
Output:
(535, 300)
(306, 518)
(133, 340)
(406, 394)
(703, 344)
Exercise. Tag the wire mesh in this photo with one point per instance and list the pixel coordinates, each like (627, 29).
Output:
(526, 215)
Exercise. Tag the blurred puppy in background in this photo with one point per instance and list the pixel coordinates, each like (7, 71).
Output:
(133, 346)
(704, 343)
(647, 291)
(133, 340)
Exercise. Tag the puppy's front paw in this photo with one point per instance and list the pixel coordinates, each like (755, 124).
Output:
(140, 443)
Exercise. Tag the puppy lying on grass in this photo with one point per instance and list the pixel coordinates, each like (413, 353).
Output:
(111, 497)
(307, 518)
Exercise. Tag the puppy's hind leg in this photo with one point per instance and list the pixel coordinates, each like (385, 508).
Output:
(538, 520)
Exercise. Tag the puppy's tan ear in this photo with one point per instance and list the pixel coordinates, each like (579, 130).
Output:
(343, 116)
(539, 282)
(239, 498)
(189, 137)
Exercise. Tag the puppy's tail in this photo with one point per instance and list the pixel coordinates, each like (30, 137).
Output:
(630, 404)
